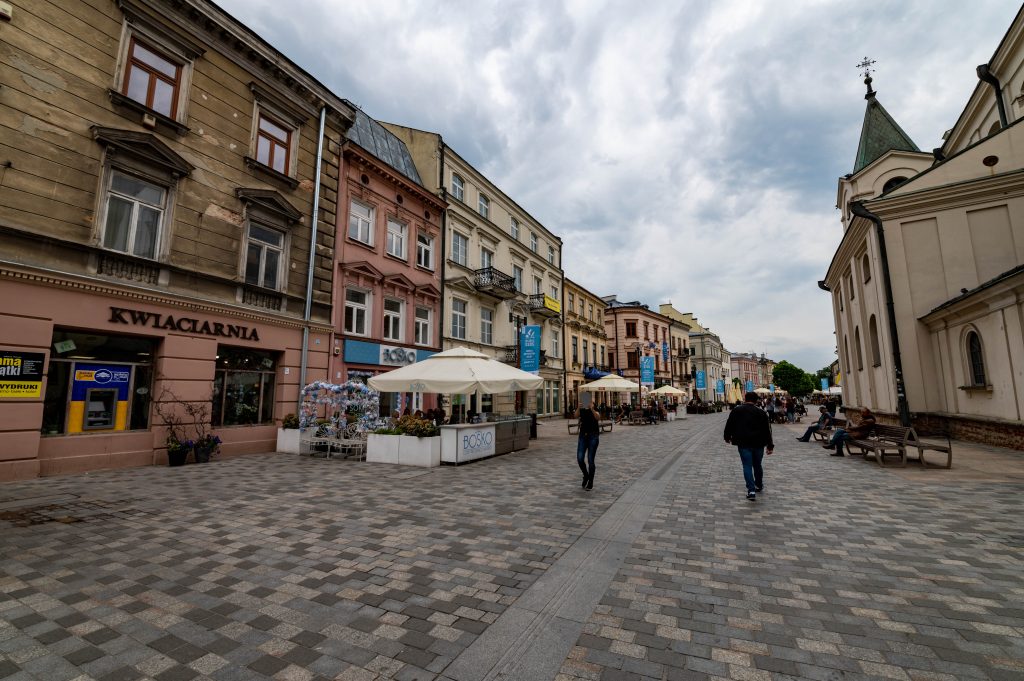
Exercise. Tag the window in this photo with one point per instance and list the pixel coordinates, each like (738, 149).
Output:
(152, 79)
(392, 319)
(551, 254)
(555, 344)
(458, 318)
(865, 268)
(513, 228)
(631, 360)
(860, 354)
(538, 286)
(517, 277)
(129, 359)
(243, 387)
(554, 292)
(486, 326)
(630, 329)
(263, 256)
(876, 354)
(425, 251)
(896, 182)
(483, 205)
(976, 358)
(591, 306)
(273, 144)
(839, 297)
(647, 331)
(533, 241)
(486, 258)
(356, 311)
(396, 239)
(422, 326)
(575, 349)
(602, 355)
(135, 212)
(586, 352)
(572, 301)
(849, 286)
(458, 187)
(460, 246)
(360, 223)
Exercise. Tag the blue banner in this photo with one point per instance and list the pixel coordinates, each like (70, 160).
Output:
(720, 387)
(702, 380)
(664, 351)
(529, 349)
(824, 385)
(750, 386)
(771, 386)
(647, 370)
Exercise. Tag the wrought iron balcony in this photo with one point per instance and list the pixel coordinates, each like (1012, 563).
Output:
(545, 305)
(495, 283)
(512, 356)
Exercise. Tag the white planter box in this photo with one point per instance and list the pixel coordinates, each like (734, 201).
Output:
(382, 448)
(419, 451)
(288, 440)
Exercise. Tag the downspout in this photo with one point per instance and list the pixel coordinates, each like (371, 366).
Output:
(314, 220)
(858, 209)
(986, 75)
(443, 255)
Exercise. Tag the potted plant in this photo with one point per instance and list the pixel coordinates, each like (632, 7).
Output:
(205, 447)
(412, 441)
(288, 435)
(177, 450)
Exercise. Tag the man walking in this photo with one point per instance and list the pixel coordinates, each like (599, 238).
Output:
(749, 429)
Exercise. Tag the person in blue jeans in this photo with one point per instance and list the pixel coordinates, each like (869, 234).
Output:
(749, 429)
(586, 445)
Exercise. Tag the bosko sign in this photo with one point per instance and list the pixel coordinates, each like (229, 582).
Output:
(396, 357)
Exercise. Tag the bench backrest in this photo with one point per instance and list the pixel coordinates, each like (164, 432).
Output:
(897, 433)
(838, 423)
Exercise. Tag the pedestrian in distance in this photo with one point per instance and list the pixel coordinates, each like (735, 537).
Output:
(823, 422)
(589, 438)
(750, 430)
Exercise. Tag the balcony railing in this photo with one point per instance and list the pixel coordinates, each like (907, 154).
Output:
(545, 305)
(496, 283)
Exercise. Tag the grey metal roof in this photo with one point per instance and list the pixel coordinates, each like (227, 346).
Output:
(372, 136)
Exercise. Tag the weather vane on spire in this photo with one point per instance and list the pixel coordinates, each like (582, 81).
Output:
(866, 65)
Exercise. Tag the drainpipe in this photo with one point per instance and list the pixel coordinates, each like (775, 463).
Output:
(565, 374)
(443, 255)
(314, 220)
(987, 76)
(858, 209)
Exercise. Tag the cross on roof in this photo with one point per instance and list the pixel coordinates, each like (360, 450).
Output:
(866, 65)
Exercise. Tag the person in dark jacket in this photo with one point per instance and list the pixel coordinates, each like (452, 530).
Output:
(589, 438)
(749, 429)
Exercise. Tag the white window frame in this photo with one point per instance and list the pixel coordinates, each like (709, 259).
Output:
(517, 277)
(458, 187)
(393, 325)
(425, 251)
(396, 241)
(265, 247)
(486, 258)
(458, 330)
(483, 206)
(538, 286)
(554, 292)
(361, 223)
(366, 307)
(533, 241)
(464, 260)
(554, 343)
(551, 255)
(422, 326)
(513, 228)
(109, 192)
(487, 325)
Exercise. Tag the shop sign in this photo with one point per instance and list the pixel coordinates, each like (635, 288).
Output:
(529, 349)
(478, 442)
(552, 304)
(647, 370)
(393, 356)
(120, 315)
(21, 374)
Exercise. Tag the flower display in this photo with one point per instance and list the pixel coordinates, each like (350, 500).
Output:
(337, 402)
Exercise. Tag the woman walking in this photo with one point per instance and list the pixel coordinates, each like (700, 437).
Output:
(586, 445)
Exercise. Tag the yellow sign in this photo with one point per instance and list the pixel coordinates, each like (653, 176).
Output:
(552, 304)
(81, 375)
(21, 389)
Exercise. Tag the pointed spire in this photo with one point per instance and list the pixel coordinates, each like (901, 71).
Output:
(879, 133)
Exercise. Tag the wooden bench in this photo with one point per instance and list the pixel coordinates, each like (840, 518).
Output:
(825, 434)
(896, 440)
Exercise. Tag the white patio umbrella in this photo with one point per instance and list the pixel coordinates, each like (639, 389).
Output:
(835, 390)
(612, 383)
(762, 391)
(668, 390)
(458, 371)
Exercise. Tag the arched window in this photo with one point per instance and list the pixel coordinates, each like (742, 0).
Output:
(975, 358)
(846, 353)
(865, 268)
(876, 353)
(860, 354)
(892, 184)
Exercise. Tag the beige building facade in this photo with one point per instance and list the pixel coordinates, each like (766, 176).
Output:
(502, 272)
(586, 341)
(927, 282)
(168, 202)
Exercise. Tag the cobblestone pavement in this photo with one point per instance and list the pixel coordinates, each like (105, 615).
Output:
(277, 567)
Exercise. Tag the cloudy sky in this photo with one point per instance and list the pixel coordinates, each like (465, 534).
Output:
(684, 151)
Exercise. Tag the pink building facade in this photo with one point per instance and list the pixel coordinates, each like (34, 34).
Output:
(388, 280)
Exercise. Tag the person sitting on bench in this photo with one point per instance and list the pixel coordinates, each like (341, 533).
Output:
(862, 429)
(824, 420)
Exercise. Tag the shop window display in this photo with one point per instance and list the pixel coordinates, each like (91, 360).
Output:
(243, 387)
